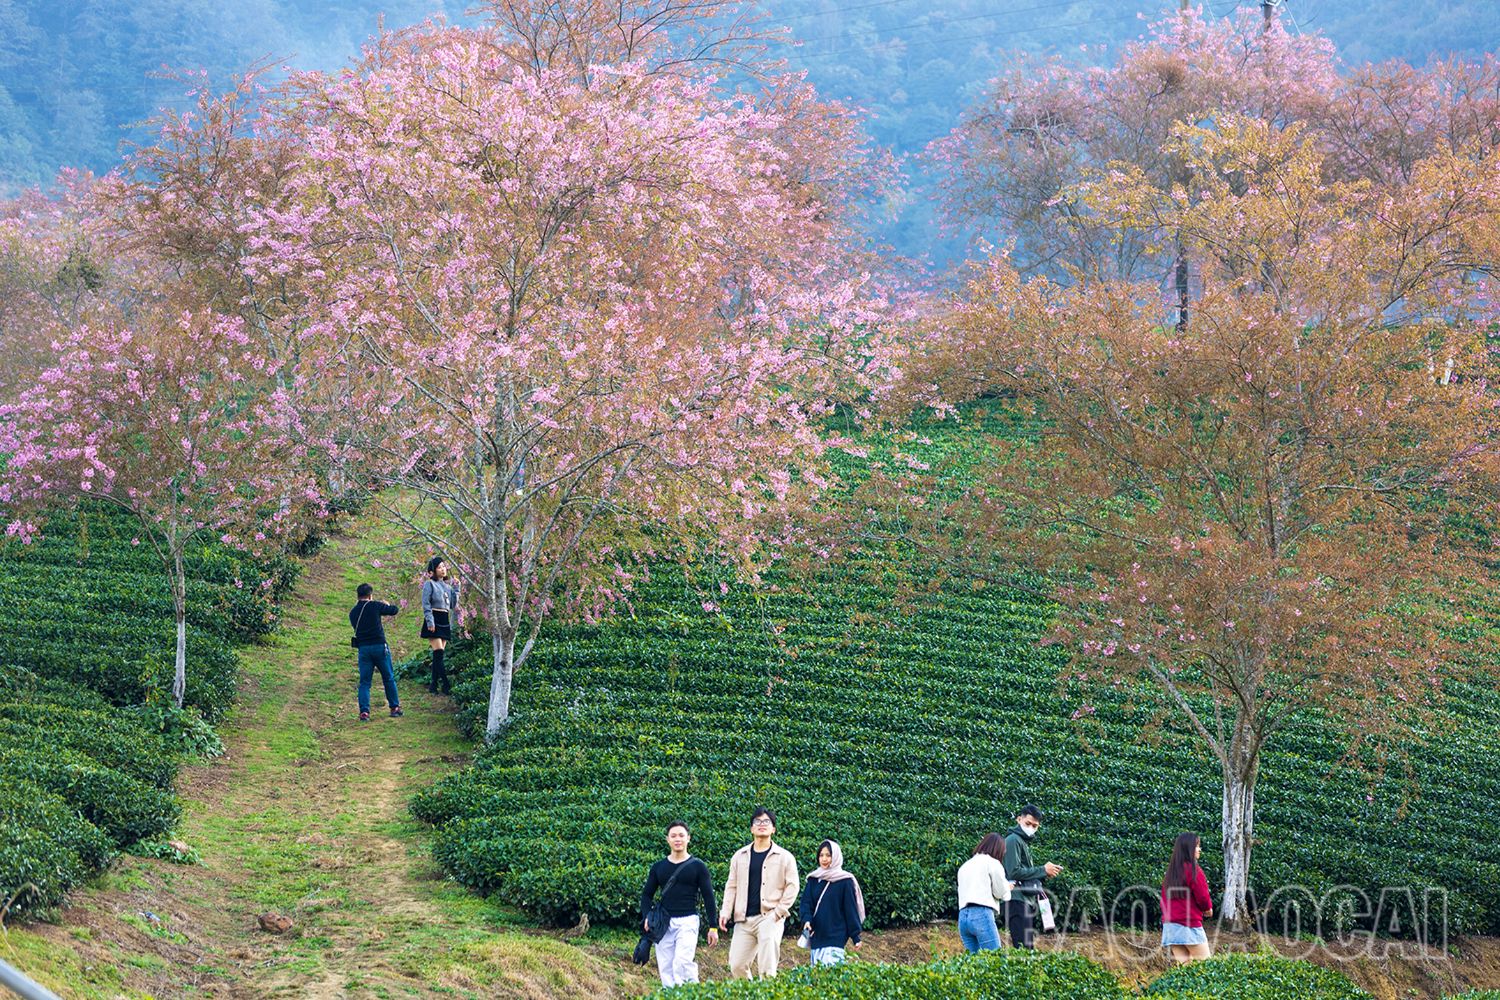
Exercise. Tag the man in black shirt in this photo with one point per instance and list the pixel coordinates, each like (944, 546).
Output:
(757, 869)
(369, 639)
(690, 880)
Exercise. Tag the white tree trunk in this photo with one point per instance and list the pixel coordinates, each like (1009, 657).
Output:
(179, 605)
(1239, 821)
(503, 642)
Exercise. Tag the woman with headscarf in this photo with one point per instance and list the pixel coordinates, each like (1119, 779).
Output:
(832, 907)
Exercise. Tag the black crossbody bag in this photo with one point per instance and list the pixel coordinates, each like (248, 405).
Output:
(657, 922)
(354, 639)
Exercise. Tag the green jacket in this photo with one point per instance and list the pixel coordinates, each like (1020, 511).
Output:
(1018, 863)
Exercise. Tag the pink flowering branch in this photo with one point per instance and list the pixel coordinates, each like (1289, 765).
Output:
(172, 421)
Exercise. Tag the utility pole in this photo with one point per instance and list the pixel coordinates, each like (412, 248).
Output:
(1268, 14)
(1181, 270)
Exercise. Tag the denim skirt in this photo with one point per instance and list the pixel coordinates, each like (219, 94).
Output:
(1182, 934)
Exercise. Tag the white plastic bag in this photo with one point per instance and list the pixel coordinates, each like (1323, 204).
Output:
(1044, 907)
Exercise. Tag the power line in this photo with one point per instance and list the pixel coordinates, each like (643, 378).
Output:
(842, 10)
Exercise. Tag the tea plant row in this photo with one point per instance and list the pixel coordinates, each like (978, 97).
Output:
(1041, 976)
(906, 737)
(89, 744)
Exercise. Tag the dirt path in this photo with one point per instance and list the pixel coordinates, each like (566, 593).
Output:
(306, 816)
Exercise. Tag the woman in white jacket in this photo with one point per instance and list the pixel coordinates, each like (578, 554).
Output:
(982, 890)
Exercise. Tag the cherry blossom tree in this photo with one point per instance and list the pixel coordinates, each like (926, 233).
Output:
(1383, 120)
(1042, 124)
(170, 419)
(1257, 520)
(578, 37)
(585, 319)
(55, 271)
(184, 201)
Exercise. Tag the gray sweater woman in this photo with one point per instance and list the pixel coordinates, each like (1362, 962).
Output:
(438, 595)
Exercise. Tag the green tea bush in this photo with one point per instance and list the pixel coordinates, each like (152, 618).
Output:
(1254, 977)
(184, 730)
(907, 731)
(1013, 975)
(130, 662)
(46, 848)
(121, 807)
(111, 739)
(87, 728)
(1476, 995)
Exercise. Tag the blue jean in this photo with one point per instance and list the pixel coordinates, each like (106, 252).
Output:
(827, 956)
(372, 658)
(976, 926)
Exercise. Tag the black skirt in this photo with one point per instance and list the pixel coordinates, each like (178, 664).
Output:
(440, 627)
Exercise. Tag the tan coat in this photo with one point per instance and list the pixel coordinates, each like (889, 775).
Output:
(779, 884)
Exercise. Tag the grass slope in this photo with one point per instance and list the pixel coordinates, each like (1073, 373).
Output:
(906, 736)
(307, 816)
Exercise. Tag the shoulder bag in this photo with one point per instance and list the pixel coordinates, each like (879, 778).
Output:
(657, 922)
(354, 639)
(803, 939)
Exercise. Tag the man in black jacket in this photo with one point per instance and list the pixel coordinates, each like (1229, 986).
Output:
(374, 653)
(1020, 911)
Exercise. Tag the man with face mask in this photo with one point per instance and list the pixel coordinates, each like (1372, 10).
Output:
(1020, 911)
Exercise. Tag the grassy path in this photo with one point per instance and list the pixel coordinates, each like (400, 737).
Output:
(307, 816)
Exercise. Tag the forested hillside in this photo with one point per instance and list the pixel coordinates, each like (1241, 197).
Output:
(75, 78)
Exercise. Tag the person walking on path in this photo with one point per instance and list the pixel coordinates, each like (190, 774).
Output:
(1185, 901)
(683, 881)
(832, 907)
(439, 605)
(983, 888)
(1020, 912)
(374, 653)
(758, 895)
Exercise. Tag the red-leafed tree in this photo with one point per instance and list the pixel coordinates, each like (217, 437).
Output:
(1256, 518)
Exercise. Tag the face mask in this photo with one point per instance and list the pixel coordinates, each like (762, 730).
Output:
(1031, 831)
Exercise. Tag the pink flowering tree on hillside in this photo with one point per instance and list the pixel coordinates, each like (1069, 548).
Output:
(169, 420)
(585, 322)
(1384, 120)
(184, 200)
(1270, 523)
(55, 272)
(1043, 125)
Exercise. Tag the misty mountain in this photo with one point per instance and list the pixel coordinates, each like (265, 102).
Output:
(77, 77)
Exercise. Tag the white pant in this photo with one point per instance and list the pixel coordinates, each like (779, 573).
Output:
(674, 953)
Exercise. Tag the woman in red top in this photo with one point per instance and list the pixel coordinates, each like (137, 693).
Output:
(1185, 902)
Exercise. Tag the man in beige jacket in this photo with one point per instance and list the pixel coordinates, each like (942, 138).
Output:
(760, 892)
